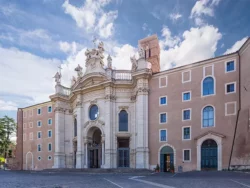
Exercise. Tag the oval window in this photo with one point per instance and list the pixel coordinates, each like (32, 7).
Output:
(93, 112)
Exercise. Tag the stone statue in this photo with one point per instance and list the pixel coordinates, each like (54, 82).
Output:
(141, 52)
(134, 63)
(109, 59)
(58, 78)
(78, 69)
(73, 80)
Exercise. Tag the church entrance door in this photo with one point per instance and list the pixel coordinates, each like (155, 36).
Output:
(123, 152)
(95, 149)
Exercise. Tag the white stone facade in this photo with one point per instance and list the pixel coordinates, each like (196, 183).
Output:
(111, 91)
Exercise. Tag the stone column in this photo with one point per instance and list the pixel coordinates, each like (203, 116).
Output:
(80, 148)
(142, 151)
(59, 156)
(86, 155)
(108, 128)
(103, 152)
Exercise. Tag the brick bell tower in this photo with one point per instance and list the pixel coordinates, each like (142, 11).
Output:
(152, 51)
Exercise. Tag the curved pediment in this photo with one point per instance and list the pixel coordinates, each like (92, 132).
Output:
(89, 80)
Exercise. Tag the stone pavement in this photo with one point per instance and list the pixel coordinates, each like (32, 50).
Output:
(22, 179)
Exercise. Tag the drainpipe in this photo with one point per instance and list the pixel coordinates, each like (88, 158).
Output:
(238, 113)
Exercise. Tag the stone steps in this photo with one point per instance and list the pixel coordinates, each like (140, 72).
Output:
(99, 170)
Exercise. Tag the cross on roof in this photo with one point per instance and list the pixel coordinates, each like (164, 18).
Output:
(59, 67)
(94, 41)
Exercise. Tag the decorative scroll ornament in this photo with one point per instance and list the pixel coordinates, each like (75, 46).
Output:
(59, 109)
(93, 102)
(134, 63)
(110, 97)
(78, 69)
(123, 107)
(58, 78)
(78, 103)
(93, 123)
(133, 98)
(143, 90)
(109, 59)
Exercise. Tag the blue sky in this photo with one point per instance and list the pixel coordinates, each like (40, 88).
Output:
(38, 36)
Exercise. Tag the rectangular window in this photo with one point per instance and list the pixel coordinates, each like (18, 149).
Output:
(49, 133)
(230, 66)
(49, 109)
(186, 114)
(24, 126)
(163, 118)
(39, 111)
(31, 113)
(163, 135)
(163, 100)
(49, 121)
(24, 114)
(31, 124)
(49, 147)
(186, 133)
(186, 155)
(31, 136)
(163, 82)
(39, 134)
(230, 88)
(186, 96)
(39, 123)
(39, 147)
(24, 137)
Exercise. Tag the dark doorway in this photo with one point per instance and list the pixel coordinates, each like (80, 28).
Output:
(166, 159)
(209, 155)
(95, 149)
(123, 152)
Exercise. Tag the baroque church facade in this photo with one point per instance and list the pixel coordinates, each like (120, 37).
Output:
(191, 117)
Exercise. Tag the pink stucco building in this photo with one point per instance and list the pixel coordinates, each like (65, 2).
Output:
(187, 118)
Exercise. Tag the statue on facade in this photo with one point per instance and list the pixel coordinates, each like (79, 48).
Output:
(134, 63)
(78, 69)
(109, 59)
(141, 52)
(73, 80)
(58, 78)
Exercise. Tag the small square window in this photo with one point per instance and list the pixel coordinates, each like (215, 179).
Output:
(49, 158)
(163, 135)
(163, 118)
(230, 66)
(31, 136)
(31, 124)
(39, 134)
(39, 123)
(39, 147)
(186, 114)
(49, 134)
(186, 96)
(39, 111)
(49, 121)
(186, 155)
(230, 88)
(39, 158)
(186, 133)
(163, 100)
(50, 109)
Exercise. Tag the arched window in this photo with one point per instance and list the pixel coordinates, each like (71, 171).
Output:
(208, 116)
(75, 127)
(93, 112)
(123, 121)
(208, 86)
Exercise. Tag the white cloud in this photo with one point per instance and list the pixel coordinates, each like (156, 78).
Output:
(203, 8)
(144, 26)
(197, 44)
(36, 39)
(236, 46)
(23, 73)
(175, 16)
(70, 48)
(7, 105)
(169, 40)
(86, 17)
